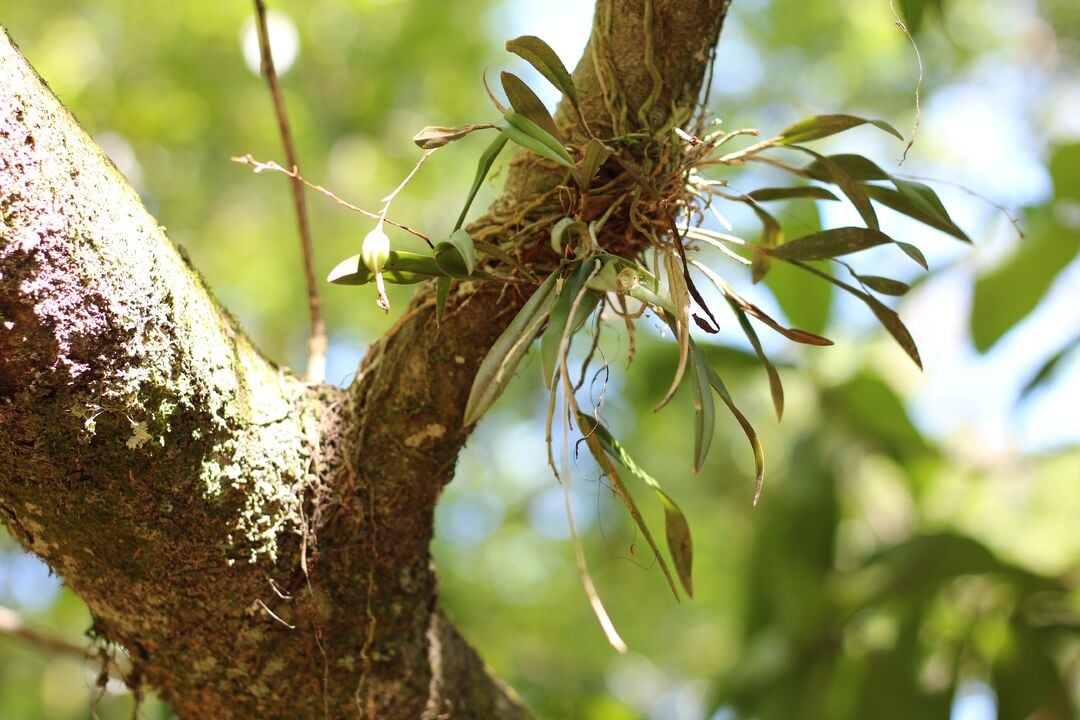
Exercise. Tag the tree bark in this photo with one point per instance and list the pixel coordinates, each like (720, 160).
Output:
(259, 545)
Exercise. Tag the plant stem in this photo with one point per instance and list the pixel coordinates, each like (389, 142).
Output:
(317, 342)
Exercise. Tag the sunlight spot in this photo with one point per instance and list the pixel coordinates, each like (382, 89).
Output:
(284, 42)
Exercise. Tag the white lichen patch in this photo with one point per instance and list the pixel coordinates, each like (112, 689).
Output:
(139, 436)
(431, 431)
(270, 459)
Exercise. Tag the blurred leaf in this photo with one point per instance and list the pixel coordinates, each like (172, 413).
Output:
(1046, 372)
(872, 410)
(920, 567)
(821, 126)
(677, 528)
(1065, 171)
(1005, 295)
(1027, 681)
(804, 300)
(913, 12)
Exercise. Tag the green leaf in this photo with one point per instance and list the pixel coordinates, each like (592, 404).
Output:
(650, 297)
(883, 285)
(848, 185)
(506, 353)
(854, 166)
(799, 336)
(821, 126)
(677, 528)
(679, 293)
(913, 252)
(619, 275)
(830, 243)
(456, 257)
(499, 254)
(924, 198)
(916, 200)
(751, 434)
(680, 543)
(903, 204)
(483, 166)
(401, 268)
(539, 54)
(776, 388)
(787, 193)
(435, 136)
(562, 231)
(889, 319)
(560, 316)
(529, 135)
(772, 235)
(596, 154)
(704, 412)
(525, 101)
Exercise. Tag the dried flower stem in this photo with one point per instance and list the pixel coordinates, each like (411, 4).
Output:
(272, 166)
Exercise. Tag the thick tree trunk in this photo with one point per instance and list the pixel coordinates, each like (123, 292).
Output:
(258, 545)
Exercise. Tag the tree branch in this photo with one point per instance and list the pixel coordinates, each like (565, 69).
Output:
(259, 545)
(171, 475)
(12, 625)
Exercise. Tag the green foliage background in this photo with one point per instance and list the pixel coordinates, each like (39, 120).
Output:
(890, 566)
